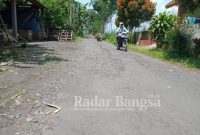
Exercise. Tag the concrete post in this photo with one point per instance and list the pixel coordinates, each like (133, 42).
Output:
(14, 17)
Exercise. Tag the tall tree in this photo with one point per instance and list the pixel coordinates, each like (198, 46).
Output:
(55, 15)
(66, 14)
(105, 9)
(96, 23)
(134, 12)
(189, 5)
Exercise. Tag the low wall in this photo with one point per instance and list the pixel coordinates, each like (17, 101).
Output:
(26, 34)
(146, 42)
(144, 38)
(195, 28)
(38, 36)
(30, 35)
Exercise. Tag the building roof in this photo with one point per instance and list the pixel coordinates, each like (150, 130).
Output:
(28, 2)
(38, 4)
(172, 3)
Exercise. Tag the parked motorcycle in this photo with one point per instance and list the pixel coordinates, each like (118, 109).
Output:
(122, 42)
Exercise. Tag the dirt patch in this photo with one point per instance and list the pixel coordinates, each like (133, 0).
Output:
(23, 91)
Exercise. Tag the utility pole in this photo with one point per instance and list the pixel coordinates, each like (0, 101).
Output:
(14, 17)
(70, 14)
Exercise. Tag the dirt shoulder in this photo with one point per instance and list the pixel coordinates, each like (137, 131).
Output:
(28, 83)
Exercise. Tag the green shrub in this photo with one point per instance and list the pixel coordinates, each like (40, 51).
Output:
(110, 37)
(179, 42)
(190, 62)
(160, 25)
(133, 37)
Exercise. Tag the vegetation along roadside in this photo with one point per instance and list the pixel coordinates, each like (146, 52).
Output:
(186, 61)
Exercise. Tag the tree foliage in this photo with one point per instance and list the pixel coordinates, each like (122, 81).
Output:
(104, 9)
(70, 14)
(96, 22)
(67, 14)
(134, 12)
(160, 25)
(180, 42)
(55, 16)
(189, 5)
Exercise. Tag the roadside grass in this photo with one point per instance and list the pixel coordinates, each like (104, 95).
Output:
(8, 54)
(78, 39)
(110, 38)
(48, 57)
(190, 62)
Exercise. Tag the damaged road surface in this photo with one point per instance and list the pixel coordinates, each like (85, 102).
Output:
(90, 88)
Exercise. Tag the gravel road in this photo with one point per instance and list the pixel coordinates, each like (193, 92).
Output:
(92, 71)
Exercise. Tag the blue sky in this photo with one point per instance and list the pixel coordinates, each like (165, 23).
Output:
(84, 1)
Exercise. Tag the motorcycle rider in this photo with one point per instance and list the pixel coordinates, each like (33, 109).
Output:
(121, 29)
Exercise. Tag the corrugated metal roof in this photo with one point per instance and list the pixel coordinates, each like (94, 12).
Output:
(35, 2)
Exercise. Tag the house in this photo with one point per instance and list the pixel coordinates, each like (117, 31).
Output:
(181, 12)
(193, 18)
(175, 3)
(22, 17)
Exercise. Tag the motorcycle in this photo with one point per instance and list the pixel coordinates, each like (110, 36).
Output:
(122, 42)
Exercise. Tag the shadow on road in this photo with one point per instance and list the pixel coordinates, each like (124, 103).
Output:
(32, 54)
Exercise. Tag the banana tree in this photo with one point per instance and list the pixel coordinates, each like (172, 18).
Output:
(160, 25)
